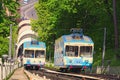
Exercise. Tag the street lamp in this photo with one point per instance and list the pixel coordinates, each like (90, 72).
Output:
(4, 57)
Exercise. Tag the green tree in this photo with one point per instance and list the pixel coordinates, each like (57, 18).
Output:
(7, 18)
(56, 17)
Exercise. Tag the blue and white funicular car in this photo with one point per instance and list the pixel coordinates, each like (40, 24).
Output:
(74, 51)
(34, 54)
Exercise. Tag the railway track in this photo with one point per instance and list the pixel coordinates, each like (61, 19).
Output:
(106, 77)
(102, 76)
(54, 75)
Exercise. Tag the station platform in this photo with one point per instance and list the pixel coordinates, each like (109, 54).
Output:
(19, 75)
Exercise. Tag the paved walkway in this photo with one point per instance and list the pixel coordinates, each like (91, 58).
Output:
(19, 75)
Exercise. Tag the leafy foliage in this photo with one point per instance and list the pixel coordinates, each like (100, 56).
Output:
(56, 17)
(5, 21)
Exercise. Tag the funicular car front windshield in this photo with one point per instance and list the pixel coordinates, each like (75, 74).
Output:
(29, 54)
(71, 51)
(39, 54)
(85, 50)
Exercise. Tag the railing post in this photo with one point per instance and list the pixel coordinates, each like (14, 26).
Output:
(1, 71)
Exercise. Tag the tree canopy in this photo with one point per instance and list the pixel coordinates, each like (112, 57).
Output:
(57, 17)
(8, 15)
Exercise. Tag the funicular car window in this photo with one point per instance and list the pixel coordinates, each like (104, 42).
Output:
(29, 54)
(72, 51)
(40, 53)
(85, 50)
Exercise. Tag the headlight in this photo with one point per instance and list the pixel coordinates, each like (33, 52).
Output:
(39, 61)
(70, 61)
(86, 61)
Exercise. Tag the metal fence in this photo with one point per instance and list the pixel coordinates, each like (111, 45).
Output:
(7, 68)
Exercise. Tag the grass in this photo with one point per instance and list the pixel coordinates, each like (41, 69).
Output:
(109, 59)
(51, 66)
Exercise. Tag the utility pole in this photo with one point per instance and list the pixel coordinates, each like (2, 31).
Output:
(115, 25)
(10, 41)
(50, 57)
(103, 55)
